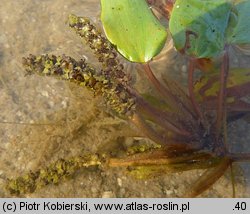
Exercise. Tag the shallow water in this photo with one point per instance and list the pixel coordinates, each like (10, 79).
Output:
(68, 120)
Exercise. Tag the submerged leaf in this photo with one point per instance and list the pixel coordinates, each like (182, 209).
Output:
(158, 162)
(131, 26)
(238, 85)
(198, 27)
(208, 86)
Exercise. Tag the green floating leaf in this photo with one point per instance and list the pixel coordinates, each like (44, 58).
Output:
(239, 25)
(198, 26)
(131, 26)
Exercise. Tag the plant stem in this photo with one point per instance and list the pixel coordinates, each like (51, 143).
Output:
(191, 69)
(208, 178)
(149, 159)
(156, 82)
(239, 157)
(221, 108)
(155, 136)
(159, 117)
(232, 179)
(173, 101)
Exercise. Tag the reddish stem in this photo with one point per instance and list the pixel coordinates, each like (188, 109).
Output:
(208, 178)
(173, 101)
(221, 108)
(191, 69)
(138, 120)
(155, 81)
(164, 8)
(239, 157)
(160, 117)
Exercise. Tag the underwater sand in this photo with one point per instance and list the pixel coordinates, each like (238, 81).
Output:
(68, 120)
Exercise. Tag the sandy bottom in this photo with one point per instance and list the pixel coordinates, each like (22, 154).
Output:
(60, 120)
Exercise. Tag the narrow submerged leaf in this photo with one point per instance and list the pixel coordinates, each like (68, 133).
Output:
(239, 25)
(132, 27)
(238, 85)
(198, 26)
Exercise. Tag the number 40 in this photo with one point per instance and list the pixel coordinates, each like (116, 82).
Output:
(240, 206)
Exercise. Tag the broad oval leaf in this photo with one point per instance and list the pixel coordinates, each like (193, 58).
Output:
(239, 25)
(132, 27)
(198, 26)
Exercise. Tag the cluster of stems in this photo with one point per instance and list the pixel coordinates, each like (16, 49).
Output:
(180, 128)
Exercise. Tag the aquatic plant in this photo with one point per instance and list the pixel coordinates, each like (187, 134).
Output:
(191, 128)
